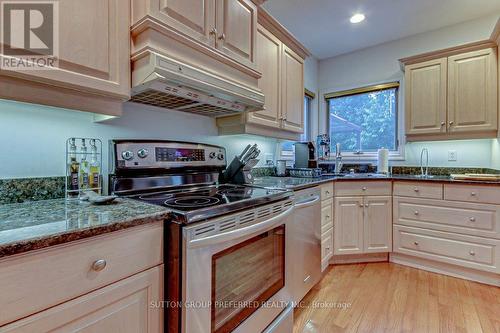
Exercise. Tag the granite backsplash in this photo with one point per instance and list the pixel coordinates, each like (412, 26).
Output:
(34, 189)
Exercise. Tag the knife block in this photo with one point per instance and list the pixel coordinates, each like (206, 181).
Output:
(238, 173)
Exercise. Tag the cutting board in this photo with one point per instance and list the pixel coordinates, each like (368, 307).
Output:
(476, 176)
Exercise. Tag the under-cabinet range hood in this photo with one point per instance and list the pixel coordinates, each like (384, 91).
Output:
(167, 83)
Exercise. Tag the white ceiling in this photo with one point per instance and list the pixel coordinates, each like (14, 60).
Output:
(323, 25)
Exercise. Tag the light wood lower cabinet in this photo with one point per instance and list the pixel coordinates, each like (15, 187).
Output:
(101, 284)
(327, 221)
(129, 306)
(363, 225)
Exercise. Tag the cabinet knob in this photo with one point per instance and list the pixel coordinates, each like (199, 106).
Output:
(415, 242)
(327, 192)
(222, 36)
(328, 216)
(213, 31)
(472, 219)
(473, 194)
(99, 265)
(416, 189)
(443, 123)
(366, 205)
(472, 253)
(450, 123)
(361, 205)
(416, 212)
(363, 188)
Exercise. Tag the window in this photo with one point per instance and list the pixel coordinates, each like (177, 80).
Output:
(286, 147)
(364, 120)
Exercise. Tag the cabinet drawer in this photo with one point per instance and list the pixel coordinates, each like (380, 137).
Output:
(418, 190)
(36, 281)
(460, 217)
(466, 251)
(327, 191)
(124, 306)
(354, 188)
(327, 215)
(472, 193)
(327, 244)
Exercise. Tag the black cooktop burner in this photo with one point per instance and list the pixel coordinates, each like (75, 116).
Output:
(195, 201)
(191, 204)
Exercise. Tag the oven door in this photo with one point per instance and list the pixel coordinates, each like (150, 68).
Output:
(236, 271)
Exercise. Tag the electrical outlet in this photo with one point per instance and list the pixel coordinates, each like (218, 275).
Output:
(452, 155)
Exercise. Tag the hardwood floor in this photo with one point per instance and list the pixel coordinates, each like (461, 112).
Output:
(386, 297)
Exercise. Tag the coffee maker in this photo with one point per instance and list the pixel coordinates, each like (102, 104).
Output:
(305, 155)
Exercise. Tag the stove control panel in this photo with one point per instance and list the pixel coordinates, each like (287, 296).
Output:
(166, 154)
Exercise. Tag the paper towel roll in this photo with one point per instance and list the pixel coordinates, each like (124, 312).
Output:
(383, 161)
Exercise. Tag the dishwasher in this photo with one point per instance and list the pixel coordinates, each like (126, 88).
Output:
(306, 242)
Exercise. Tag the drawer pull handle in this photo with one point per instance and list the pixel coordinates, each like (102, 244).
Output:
(416, 189)
(364, 188)
(416, 212)
(472, 219)
(472, 253)
(307, 278)
(473, 194)
(99, 265)
(415, 242)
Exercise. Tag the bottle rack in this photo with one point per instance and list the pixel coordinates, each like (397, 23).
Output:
(73, 192)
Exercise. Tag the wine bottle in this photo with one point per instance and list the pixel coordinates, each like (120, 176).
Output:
(74, 167)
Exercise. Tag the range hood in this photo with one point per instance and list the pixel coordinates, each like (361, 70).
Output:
(167, 83)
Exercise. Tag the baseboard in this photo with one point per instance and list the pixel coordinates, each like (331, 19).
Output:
(359, 258)
(446, 269)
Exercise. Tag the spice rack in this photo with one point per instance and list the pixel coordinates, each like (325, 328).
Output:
(83, 167)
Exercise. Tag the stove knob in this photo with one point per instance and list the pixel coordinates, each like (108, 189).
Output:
(212, 155)
(220, 156)
(143, 153)
(127, 155)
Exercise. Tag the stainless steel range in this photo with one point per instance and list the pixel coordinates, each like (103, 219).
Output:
(227, 246)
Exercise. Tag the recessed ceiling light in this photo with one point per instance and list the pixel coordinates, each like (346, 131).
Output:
(356, 18)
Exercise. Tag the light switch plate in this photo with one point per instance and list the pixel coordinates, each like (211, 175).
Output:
(452, 155)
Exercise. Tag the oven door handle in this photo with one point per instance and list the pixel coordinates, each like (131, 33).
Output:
(235, 234)
(308, 202)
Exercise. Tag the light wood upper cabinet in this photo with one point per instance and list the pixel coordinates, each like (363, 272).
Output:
(293, 91)
(378, 224)
(237, 30)
(425, 97)
(452, 97)
(348, 225)
(472, 91)
(124, 307)
(194, 18)
(269, 64)
(94, 60)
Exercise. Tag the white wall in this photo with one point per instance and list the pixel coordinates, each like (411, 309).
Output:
(32, 137)
(380, 64)
(311, 66)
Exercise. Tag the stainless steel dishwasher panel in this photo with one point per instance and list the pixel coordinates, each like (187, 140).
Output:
(306, 242)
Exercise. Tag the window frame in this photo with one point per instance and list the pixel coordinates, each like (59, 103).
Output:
(397, 154)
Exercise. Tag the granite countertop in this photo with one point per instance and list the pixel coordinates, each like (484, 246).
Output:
(38, 224)
(295, 183)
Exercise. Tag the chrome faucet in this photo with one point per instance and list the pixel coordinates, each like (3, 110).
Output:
(425, 173)
(338, 158)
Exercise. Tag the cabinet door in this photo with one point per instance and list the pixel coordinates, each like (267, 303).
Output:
(126, 306)
(472, 91)
(269, 64)
(94, 48)
(237, 30)
(292, 91)
(425, 97)
(194, 18)
(348, 225)
(378, 224)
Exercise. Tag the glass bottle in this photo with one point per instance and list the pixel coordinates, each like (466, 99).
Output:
(74, 168)
(95, 167)
(84, 168)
